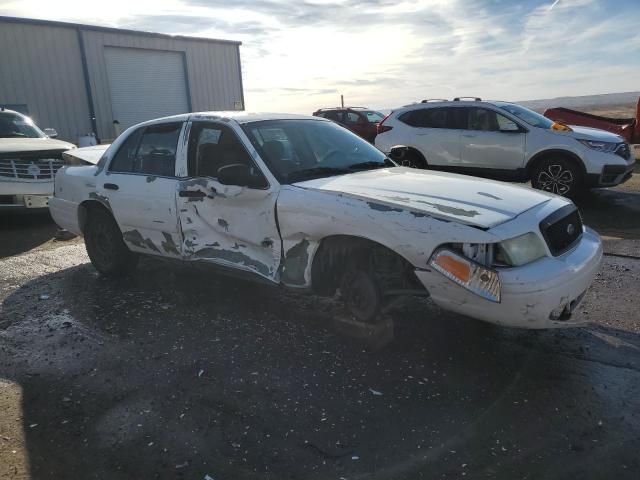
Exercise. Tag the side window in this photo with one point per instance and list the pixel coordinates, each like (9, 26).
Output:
(426, 118)
(124, 160)
(351, 117)
(213, 146)
(482, 119)
(335, 116)
(150, 150)
(157, 151)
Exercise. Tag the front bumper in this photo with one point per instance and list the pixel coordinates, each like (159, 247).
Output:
(25, 195)
(608, 169)
(529, 293)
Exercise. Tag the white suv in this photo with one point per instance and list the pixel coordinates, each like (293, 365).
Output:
(505, 141)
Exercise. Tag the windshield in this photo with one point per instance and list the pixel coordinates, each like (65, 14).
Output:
(17, 126)
(297, 150)
(373, 116)
(532, 118)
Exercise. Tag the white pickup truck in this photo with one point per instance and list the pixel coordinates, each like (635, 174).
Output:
(302, 202)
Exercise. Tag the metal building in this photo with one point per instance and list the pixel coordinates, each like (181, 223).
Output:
(80, 79)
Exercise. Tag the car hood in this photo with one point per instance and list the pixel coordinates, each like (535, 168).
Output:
(10, 145)
(90, 155)
(587, 133)
(464, 199)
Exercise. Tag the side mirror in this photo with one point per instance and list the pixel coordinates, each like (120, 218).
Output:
(240, 175)
(50, 132)
(509, 126)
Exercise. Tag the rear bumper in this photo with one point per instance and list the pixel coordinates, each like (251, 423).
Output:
(529, 293)
(65, 214)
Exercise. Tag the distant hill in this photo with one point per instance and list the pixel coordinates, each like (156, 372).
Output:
(585, 101)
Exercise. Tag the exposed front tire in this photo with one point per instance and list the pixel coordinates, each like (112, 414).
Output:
(558, 175)
(361, 293)
(105, 246)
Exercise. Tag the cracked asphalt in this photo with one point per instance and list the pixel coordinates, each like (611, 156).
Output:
(177, 373)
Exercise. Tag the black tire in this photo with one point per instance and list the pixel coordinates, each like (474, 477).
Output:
(412, 159)
(105, 246)
(361, 293)
(558, 175)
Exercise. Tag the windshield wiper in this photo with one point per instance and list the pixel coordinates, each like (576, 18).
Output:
(12, 134)
(371, 165)
(316, 172)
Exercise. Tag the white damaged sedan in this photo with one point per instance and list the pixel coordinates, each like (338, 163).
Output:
(303, 203)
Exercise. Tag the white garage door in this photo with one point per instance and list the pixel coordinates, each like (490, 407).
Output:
(145, 84)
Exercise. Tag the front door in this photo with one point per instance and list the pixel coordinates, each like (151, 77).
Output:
(140, 186)
(484, 144)
(230, 225)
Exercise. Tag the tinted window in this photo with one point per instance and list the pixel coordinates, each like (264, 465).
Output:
(124, 160)
(426, 118)
(351, 117)
(373, 116)
(157, 151)
(335, 116)
(482, 119)
(312, 148)
(150, 150)
(529, 116)
(17, 126)
(214, 146)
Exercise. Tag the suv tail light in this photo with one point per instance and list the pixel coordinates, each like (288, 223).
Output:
(380, 128)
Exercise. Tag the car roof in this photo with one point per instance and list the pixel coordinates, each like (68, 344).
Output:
(448, 103)
(6, 110)
(227, 116)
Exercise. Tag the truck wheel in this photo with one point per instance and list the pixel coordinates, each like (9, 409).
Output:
(361, 294)
(558, 175)
(105, 246)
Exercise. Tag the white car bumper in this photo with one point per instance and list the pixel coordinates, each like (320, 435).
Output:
(25, 194)
(529, 293)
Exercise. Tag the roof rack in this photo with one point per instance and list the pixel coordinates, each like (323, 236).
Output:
(427, 100)
(474, 99)
(342, 108)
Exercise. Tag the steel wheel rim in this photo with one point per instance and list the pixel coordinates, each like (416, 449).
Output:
(361, 296)
(556, 179)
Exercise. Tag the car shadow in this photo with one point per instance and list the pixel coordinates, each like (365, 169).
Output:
(177, 373)
(23, 231)
(611, 211)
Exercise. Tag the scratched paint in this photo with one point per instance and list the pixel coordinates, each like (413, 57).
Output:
(235, 258)
(100, 198)
(169, 245)
(296, 262)
(134, 237)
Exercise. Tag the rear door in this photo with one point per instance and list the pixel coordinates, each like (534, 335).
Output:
(230, 225)
(434, 132)
(140, 186)
(485, 145)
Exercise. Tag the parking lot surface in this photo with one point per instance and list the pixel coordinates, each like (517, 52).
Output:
(176, 373)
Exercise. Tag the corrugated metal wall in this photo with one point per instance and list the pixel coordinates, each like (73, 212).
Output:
(213, 71)
(41, 65)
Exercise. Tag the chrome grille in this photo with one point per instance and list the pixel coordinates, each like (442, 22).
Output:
(29, 169)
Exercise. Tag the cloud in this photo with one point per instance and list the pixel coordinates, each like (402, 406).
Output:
(298, 55)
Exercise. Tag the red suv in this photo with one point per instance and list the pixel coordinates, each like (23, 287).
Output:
(359, 120)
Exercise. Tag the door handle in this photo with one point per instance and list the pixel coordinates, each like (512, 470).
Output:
(111, 186)
(469, 135)
(191, 193)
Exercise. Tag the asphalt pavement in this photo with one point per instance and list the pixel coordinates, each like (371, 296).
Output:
(176, 373)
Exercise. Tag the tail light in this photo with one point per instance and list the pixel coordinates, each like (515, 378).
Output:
(380, 128)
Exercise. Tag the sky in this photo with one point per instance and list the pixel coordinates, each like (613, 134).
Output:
(299, 55)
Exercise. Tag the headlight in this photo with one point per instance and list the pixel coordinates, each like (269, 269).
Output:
(521, 250)
(468, 274)
(606, 147)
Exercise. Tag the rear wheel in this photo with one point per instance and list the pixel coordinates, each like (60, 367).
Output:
(105, 246)
(558, 175)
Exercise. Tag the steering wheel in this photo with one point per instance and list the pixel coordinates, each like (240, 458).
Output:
(330, 154)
